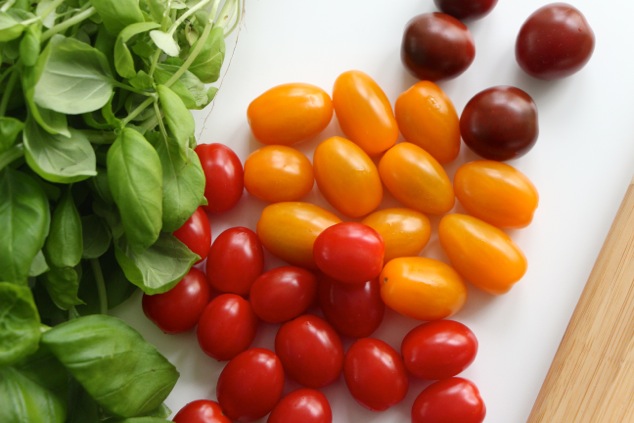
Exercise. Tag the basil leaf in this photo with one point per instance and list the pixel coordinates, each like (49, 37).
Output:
(179, 120)
(191, 90)
(9, 130)
(123, 60)
(43, 368)
(30, 45)
(38, 265)
(117, 14)
(64, 245)
(96, 236)
(62, 284)
(208, 63)
(10, 27)
(19, 323)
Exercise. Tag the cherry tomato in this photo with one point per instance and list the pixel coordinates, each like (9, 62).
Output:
(179, 309)
(250, 385)
(466, 9)
(416, 179)
(289, 113)
(278, 173)
(436, 46)
(427, 117)
(354, 310)
(288, 230)
(500, 123)
(235, 260)
(375, 374)
(555, 41)
(482, 253)
(448, 401)
(405, 232)
(303, 405)
(364, 112)
(196, 233)
(438, 349)
(201, 411)
(227, 327)
(496, 192)
(423, 288)
(349, 252)
(283, 293)
(347, 177)
(224, 176)
(310, 351)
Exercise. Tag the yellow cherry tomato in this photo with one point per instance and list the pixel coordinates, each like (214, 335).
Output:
(347, 177)
(496, 192)
(277, 173)
(482, 253)
(427, 117)
(364, 112)
(405, 232)
(288, 230)
(422, 288)
(289, 113)
(416, 179)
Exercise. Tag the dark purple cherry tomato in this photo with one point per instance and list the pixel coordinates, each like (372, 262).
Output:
(448, 401)
(283, 293)
(500, 123)
(224, 176)
(554, 42)
(201, 411)
(179, 309)
(303, 405)
(235, 260)
(196, 233)
(466, 9)
(436, 46)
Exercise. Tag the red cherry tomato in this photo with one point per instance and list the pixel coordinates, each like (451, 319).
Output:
(250, 385)
(179, 309)
(448, 401)
(224, 176)
(196, 233)
(354, 310)
(375, 374)
(349, 252)
(310, 351)
(235, 260)
(303, 405)
(201, 411)
(438, 349)
(227, 327)
(466, 9)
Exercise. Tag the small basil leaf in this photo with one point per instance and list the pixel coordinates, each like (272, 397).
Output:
(97, 236)
(117, 14)
(62, 284)
(19, 323)
(64, 245)
(9, 130)
(179, 119)
(208, 63)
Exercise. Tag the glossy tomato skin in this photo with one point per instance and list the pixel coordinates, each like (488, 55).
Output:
(276, 173)
(427, 117)
(289, 113)
(422, 288)
(555, 41)
(500, 123)
(466, 9)
(436, 46)
(235, 260)
(416, 179)
(224, 176)
(310, 350)
(364, 112)
(347, 177)
(201, 411)
(179, 309)
(496, 192)
(466, 239)
(283, 293)
(438, 349)
(350, 252)
(303, 405)
(375, 374)
(196, 233)
(354, 310)
(227, 327)
(250, 385)
(449, 400)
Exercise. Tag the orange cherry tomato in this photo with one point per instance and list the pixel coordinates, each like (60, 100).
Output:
(427, 117)
(289, 113)
(364, 112)
(482, 253)
(422, 288)
(416, 179)
(288, 230)
(496, 192)
(347, 177)
(277, 173)
(405, 232)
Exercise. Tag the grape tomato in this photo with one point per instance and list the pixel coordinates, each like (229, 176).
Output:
(224, 176)
(195, 233)
(303, 405)
(448, 401)
(201, 411)
(466, 9)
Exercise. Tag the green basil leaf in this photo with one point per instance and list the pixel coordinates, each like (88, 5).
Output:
(125, 374)
(123, 60)
(97, 236)
(188, 86)
(179, 119)
(62, 284)
(208, 63)
(19, 323)
(64, 245)
(30, 45)
(9, 130)
(10, 27)
(38, 265)
(44, 369)
(117, 14)
(165, 42)
(51, 121)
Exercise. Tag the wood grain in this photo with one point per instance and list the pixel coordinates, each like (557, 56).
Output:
(591, 378)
